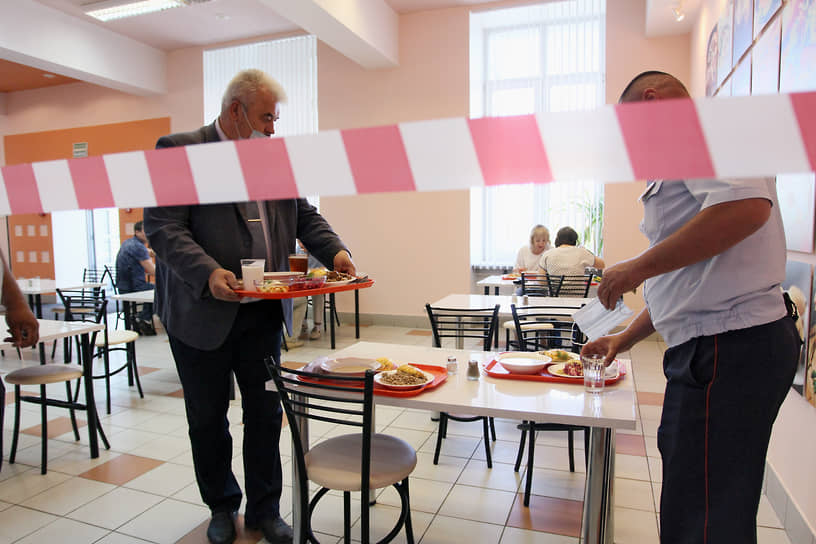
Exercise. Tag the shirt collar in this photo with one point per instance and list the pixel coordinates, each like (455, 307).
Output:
(221, 135)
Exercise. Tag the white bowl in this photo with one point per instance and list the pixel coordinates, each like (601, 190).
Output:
(349, 366)
(523, 362)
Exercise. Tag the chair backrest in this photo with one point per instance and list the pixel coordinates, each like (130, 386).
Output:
(535, 284)
(343, 401)
(478, 323)
(569, 286)
(83, 304)
(94, 275)
(113, 275)
(540, 327)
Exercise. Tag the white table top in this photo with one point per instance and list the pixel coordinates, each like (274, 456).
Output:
(514, 399)
(34, 286)
(495, 281)
(504, 302)
(137, 296)
(54, 330)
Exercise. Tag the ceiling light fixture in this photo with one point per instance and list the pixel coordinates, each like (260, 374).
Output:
(679, 14)
(109, 10)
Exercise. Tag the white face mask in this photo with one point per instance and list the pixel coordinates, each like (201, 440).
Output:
(254, 134)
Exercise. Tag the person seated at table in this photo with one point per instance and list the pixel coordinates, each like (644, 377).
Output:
(567, 257)
(23, 327)
(132, 263)
(530, 255)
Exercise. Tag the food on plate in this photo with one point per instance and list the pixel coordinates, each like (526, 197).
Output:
(574, 368)
(273, 287)
(333, 275)
(411, 371)
(386, 364)
(317, 272)
(558, 355)
(403, 378)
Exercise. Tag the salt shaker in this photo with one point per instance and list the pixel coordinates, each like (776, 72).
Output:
(452, 365)
(473, 370)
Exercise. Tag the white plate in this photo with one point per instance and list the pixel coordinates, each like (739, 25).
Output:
(612, 371)
(379, 376)
(283, 275)
(349, 366)
(523, 362)
(572, 356)
(340, 282)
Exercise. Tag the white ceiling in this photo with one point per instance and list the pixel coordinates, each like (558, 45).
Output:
(128, 54)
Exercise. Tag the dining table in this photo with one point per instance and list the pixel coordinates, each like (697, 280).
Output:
(497, 282)
(551, 402)
(34, 288)
(51, 330)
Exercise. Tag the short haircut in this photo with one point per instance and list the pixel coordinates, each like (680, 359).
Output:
(650, 78)
(537, 231)
(566, 236)
(246, 83)
(138, 226)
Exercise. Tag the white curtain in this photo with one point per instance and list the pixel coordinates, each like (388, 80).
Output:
(527, 59)
(291, 61)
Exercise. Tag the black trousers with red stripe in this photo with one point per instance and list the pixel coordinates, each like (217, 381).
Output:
(722, 397)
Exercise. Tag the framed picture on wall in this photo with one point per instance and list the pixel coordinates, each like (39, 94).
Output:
(797, 199)
(799, 283)
(743, 28)
(725, 31)
(798, 51)
(765, 61)
(763, 11)
(712, 55)
(741, 79)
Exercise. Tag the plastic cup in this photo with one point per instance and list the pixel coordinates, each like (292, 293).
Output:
(252, 272)
(298, 262)
(594, 373)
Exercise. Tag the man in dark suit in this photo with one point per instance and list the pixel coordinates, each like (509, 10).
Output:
(212, 333)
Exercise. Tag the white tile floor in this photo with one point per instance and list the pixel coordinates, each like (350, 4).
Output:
(456, 501)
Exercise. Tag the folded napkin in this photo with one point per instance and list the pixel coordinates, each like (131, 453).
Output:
(612, 370)
(315, 366)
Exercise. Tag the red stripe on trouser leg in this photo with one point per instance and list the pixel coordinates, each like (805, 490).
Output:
(707, 416)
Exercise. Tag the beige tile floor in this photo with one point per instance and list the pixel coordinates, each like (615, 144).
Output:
(143, 489)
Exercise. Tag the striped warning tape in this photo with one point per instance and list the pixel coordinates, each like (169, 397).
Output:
(724, 137)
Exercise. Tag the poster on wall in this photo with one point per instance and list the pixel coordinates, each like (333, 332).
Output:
(741, 79)
(765, 61)
(798, 52)
(712, 53)
(743, 29)
(763, 11)
(798, 283)
(797, 199)
(725, 28)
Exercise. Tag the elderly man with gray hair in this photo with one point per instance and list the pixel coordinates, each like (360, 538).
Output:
(212, 332)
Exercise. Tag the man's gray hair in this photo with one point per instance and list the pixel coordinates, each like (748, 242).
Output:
(246, 83)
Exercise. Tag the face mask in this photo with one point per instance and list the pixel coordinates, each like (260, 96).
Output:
(255, 133)
(595, 320)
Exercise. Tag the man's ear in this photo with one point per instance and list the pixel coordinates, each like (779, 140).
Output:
(233, 109)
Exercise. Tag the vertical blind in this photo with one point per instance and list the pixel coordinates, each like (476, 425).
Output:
(547, 57)
(291, 61)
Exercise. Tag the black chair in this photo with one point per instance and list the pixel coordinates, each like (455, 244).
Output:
(45, 374)
(350, 462)
(535, 284)
(113, 276)
(569, 286)
(480, 324)
(537, 330)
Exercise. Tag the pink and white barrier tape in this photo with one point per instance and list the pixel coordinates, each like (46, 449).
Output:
(723, 137)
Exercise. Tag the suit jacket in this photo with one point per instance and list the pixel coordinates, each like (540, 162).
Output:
(192, 241)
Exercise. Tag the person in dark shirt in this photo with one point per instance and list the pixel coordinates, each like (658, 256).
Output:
(132, 263)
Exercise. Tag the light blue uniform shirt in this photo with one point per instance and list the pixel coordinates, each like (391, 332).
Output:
(736, 289)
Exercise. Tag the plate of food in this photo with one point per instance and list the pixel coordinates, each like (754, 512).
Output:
(283, 275)
(560, 355)
(574, 369)
(350, 366)
(338, 278)
(404, 377)
(523, 362)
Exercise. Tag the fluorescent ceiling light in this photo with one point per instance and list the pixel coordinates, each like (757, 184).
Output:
(119, 9)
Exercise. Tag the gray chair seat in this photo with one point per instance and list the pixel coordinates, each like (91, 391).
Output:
(335, 463)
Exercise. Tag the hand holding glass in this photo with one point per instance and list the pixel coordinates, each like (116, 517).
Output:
(594, 373)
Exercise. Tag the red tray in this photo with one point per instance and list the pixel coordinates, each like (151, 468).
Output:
(325, 290)
(440, 375)
(495, 370)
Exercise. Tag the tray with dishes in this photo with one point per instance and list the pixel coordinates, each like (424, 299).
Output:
(511, 276)
(301, 286)
(554, 365)
(391, 378)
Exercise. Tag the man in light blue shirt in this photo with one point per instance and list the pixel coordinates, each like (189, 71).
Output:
(712, 275)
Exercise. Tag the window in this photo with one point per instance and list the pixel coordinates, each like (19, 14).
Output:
(541, 58)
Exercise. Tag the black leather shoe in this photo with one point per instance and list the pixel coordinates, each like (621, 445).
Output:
(222, 528)
(275, 530)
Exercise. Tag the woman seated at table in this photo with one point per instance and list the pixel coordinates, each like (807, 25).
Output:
(530, 255)
(567, 257)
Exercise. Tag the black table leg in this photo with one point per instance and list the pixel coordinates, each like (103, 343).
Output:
(496, 290)
(357, 313)
(487, 289)
(332, 312)
(90, 402)
(128, 307)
